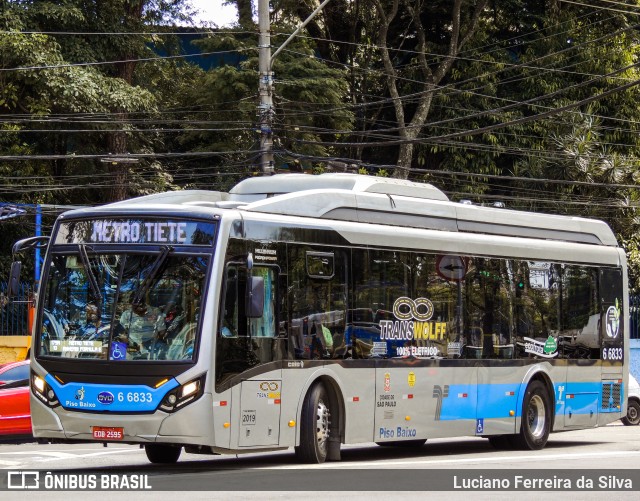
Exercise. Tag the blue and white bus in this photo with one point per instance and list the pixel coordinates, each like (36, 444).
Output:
(313, 311)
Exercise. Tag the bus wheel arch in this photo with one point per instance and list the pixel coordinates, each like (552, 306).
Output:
(323, 400)
(543, 377)
(536, 421)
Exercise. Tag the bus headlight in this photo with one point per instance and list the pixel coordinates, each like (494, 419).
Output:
(43, 391)
(183, 395)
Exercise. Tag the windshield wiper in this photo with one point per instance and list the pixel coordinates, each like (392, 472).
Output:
(93, 283)
(148, 280)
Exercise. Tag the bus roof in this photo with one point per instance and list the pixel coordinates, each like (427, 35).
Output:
(379, 200)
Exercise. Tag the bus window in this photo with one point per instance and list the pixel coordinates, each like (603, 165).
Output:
(246, 342)
(488, 304)
(536, 308)
(317, 298)
(580, 312)
(110, 320)
(380, 279)
(440, 334)
(234, 321)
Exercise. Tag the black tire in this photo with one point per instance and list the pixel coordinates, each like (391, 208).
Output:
(633, 414)
(500, 442)
(315, 426)
(536, 419)
(162, 453)
(403, 443)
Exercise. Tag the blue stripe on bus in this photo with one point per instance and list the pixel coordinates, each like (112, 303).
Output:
(499, 400)
(109, 398)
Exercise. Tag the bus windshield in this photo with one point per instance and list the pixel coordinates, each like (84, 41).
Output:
(122, 306)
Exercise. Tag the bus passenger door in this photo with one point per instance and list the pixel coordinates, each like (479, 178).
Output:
(248, 340)
(259, 413)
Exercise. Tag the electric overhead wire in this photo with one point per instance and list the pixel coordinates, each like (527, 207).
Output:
(611, 9)
(503, 148)
(205, 31)
(105, 156)
(359, 143)
(573, 47)
(544, 56)
(485, 112)
(474, 174)
(418, 94)
(482, 130)
(502, 63)
(121, 61)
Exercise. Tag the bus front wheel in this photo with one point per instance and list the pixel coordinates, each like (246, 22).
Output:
(315, 425)
(536, 418)
(162, 453)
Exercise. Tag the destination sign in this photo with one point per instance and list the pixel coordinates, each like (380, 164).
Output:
(136, 231)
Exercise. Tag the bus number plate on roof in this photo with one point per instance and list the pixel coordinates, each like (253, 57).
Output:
(107, 433)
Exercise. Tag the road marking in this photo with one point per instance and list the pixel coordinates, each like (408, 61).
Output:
(64, 455)
(493, 459)
(9, 463)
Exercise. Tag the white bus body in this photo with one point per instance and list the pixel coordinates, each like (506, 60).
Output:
(311, 311)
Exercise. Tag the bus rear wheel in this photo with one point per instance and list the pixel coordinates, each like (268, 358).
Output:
(315, 426)
(536, 418)
(633, 414)
(162, 453)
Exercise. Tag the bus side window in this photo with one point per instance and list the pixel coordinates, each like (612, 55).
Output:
(317, 295)
(265, 325)
(231, 311)
(234, 322)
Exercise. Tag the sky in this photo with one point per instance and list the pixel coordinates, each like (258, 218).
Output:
(212, 11)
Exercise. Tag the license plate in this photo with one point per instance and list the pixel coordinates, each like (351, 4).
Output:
(107, 433)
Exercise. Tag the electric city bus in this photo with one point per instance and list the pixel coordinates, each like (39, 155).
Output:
(313, 311)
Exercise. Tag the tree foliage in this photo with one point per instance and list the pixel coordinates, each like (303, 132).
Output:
(518, 101)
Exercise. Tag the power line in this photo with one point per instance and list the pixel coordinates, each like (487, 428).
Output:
(121, 61)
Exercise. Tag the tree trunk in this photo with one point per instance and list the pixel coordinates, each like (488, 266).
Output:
(117, 144)
(117, 140)
(410, 127)
(245, 13)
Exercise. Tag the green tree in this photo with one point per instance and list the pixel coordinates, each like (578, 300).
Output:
(59, 101)
(80, 85)
(309, 103)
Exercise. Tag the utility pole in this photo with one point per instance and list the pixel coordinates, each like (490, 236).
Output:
(265, 108)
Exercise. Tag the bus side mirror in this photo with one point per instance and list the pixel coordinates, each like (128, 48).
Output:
(254, 297)
(13, 287)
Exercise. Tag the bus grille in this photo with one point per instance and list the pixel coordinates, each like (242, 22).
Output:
(611, 395)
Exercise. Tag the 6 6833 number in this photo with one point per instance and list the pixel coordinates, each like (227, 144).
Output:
(612, 353)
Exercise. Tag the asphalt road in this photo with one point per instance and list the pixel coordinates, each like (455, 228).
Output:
(609, 456)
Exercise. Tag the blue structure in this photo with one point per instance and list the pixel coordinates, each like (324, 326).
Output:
(11, 210)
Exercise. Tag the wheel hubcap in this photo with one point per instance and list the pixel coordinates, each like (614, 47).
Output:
(322, 426)
(536, 416)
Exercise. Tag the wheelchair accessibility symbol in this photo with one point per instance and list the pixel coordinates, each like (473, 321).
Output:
(118, 351)
(479, 426)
